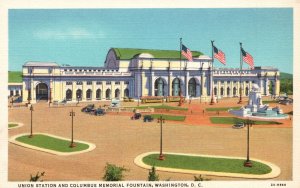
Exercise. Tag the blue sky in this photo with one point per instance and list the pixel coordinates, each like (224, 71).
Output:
(82, 37)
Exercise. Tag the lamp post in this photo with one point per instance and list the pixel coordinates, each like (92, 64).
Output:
(248, 163)
(31, 109)
(161, 121)
(72, 145)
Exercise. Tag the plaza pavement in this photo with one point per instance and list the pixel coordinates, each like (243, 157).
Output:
(119, 140)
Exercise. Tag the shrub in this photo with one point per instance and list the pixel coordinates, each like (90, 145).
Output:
(36, 177)
(152, 175)
(200, 178)
(113, 172)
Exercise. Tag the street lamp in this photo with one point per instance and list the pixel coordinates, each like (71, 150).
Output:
(248, 163)
(161, 121)
(31, 109)
(72, 145)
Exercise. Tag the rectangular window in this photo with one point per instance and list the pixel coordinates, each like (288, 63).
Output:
(79, 83)
(117, 83)
(68, 83)
(108, 83)
(89, 83)
(50, 70)
(126, 82)
(98, 83)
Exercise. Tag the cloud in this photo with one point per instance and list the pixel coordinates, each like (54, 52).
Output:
(68, 33)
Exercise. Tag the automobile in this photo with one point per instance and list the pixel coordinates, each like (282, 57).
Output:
(238, 125)
(99, 112)
(148, 118)
(136, 116)
(88, 108)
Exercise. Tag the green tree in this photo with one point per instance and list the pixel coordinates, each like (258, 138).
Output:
(36, 177)
(113, 172)
(152, 175)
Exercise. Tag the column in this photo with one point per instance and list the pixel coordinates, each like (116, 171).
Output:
(225, 89)
(187, 85)
(231, 88)
(244, 88)
(219, 89)
(112, 95)
(32, 91)
(84, 90)
(203, 88)
(152, 83)
(170, 83)
(277, 87)
(267, 86)
(93, 90)
(103, 90)
(74, 97)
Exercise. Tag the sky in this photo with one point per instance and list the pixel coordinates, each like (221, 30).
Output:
(82, 37)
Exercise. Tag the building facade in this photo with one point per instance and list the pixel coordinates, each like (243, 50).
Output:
(135, 73)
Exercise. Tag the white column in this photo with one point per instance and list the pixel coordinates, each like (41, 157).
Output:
(187, 77)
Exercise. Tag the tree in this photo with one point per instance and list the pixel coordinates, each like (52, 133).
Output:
(152, 175)
(113, 172)
(36, 177)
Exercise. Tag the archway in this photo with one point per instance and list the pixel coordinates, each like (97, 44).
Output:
(108, 94)
(192, 87)
(117, 93)
(176, 87)
(234, 91)
(159, 87)
(126, 92)
(271, 88)
(41, 92)
(89, 94)
(222, 91)
(247, 91)
(215, 91)
(98, 94)
(69, 95)
(228, 91)
(79, 94)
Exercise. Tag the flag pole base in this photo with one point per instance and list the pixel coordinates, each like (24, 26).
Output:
(248, 163)
(161, 157)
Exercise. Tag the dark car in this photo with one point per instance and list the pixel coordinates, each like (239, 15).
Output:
(99, 112)
(148, 118)
(238, 126)
(88, 108)
(136, 116)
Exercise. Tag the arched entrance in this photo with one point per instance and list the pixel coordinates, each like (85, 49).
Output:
(234, 91)
(159, 87)
(222, 91)
(79, 94)
(247, 91)
(117, 93)
(41, 92)
(108, 94)
(98, 94)
(215, 91)
(271, 88)
(192, 87)
(89, 94)
(69, 95)
(176, 87)
(228, 92)
(126, 92)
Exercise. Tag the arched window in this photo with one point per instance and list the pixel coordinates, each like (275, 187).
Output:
(117, 93)
(215, 91)
(176, 87)
(247, 91)
(234, 91)
(192, 87)
(126, 92)
(159, 87)
(222, 91)
(108, 94)
(41, 92)
(79, 94)
(89, 94)
(69, 95)
(98, 94)
(228, 91)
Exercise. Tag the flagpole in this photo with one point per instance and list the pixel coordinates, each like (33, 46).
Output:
(241, 66)
(212, 101)
(180, 93)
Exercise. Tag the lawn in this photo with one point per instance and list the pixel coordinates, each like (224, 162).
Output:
(166, 107)
(51, 143)
(15, 77)
(233, 120)
(269, 102)
(11, 125)
(206, 164)
(222, 109)
(168, 117)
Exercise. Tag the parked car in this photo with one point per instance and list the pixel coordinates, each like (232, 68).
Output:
(99, 112)
(136, 116)
(88, 108)
(238, 125)
(148, 118)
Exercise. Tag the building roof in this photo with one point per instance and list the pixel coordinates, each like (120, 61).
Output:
(15, 77)
(129, 53)
(41, 64)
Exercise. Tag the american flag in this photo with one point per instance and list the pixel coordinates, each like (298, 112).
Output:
(218, 54)
(248, 59)
(186, 53)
